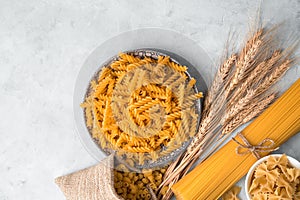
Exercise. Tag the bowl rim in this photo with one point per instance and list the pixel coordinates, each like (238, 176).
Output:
(162, 161)
(294, 162)
(162, 39)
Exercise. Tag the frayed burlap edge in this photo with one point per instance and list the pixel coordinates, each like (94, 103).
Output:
(93, 183)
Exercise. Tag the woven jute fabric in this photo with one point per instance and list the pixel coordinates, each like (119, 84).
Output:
(93, 183)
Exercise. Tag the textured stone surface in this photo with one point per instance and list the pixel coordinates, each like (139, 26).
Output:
(42, 47)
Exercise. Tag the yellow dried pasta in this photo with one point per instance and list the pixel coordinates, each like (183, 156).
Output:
(232, 193)
(137, 185)
(275, 179)
(125, 103)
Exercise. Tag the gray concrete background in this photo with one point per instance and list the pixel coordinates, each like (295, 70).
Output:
(44, 43)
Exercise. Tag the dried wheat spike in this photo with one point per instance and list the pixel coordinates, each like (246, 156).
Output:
(255, 77)
(274, 76)
(219, 81)
(238, 106)
(248, 113)
(259, 107)
(246, 57)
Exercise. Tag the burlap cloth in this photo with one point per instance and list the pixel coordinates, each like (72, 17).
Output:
(93, 183)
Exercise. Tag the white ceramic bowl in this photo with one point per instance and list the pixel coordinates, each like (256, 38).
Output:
(293, 162)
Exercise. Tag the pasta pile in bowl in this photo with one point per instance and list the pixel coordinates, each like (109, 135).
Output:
(143, 106)
(274, 177)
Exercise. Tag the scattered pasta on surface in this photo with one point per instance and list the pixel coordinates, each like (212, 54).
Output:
(275, 179)
(137, 105)
(232, 193)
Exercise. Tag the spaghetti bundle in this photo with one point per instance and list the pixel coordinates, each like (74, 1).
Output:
(219, 172)
(241, 91)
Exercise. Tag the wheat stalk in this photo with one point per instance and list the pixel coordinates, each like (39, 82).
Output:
(256, 75)
(238, 106)
(274, 76)
(246, 58)
(249, 112)
(236, 96)
(258, 108)
(219, 80)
